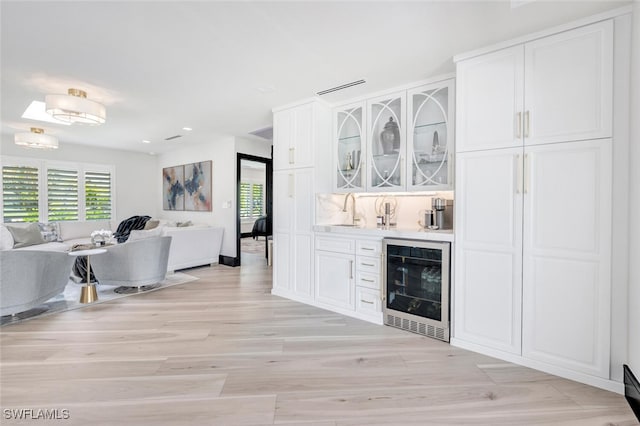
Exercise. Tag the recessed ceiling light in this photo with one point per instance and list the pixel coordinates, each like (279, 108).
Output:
(36, 111)
(188, 129)
(145, 141)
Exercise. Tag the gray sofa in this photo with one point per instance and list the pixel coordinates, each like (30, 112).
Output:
(28, 278)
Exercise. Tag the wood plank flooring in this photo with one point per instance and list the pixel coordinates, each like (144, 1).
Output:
(223, 351)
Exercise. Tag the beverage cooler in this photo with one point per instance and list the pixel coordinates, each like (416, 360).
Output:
(416, 286)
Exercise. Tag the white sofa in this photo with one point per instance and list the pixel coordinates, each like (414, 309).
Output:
(191, 246)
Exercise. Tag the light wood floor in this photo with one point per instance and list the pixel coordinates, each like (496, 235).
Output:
(223, 351)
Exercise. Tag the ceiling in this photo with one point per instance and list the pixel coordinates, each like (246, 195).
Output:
(220, 67)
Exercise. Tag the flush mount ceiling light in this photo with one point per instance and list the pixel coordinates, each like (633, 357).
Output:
(36, 139)
(75, 108)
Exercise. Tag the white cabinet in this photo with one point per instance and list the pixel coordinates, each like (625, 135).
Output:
(567, 255)
(292, 232)
(430, 137)
(488, 249)
(386, 134)
(533, 201)
(301, 135)
(396, 142)
(348, 276)
(349, 148)
(554, 89)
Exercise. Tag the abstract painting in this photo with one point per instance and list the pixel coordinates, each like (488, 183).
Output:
(173, 188)
(197, 186)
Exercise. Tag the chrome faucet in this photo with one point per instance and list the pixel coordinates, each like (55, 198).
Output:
(353, 206)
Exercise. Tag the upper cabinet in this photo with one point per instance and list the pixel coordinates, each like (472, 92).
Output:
(386, 142)
(557, 88)
(350, 148)
(430, 137)
(396, 142)
(294, 131)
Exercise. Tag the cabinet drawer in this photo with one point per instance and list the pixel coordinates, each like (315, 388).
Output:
(368, 280)
(338, 245)
(368, 247)
(368, 264)
(368, 301)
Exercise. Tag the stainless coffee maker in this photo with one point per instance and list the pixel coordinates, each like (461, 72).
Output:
(443, 213)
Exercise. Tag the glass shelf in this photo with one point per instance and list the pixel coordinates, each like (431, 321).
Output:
(389, 156)
(426, 126)
(349, 138)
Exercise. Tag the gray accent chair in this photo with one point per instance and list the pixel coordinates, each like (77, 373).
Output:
(28, 278)
(133, 264)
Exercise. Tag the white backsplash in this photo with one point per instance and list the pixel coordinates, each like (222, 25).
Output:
(408, 208)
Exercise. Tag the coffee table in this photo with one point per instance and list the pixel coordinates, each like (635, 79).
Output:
(89, 293)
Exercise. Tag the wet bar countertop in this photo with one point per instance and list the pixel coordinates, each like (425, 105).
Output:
(412, 233)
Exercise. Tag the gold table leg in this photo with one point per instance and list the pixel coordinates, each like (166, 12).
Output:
(88, 293)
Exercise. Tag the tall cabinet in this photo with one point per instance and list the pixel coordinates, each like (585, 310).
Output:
(533, 201)
(301, 134)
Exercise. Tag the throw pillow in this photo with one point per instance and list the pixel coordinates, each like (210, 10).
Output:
(49, 232)
(145, 233)
(6, 239)
(151, 224)
(25, 234)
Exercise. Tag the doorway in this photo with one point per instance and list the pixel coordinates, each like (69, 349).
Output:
(254, 208)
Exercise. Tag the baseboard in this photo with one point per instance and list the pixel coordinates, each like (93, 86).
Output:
(632, 390)
(229, 261)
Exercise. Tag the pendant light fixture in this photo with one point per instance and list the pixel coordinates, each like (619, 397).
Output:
(36, 139)
(75, 108)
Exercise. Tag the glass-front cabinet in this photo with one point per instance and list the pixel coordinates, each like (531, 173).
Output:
(430, 136)
(386, 142)
(349, 153)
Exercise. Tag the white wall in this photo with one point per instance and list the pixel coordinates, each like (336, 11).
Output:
(135, 176)
(634, 200)
(222, 151)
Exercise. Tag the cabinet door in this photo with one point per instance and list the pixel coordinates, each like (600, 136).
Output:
(293, 134)
(335, 279)
(282, 139)
(568, 85)
(386, 142)
(489, 249)
(489, 100)
(283, 199)
(349, 147)
(567, 249)
(430, 137)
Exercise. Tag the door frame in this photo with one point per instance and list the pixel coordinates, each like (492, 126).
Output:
(268, 162)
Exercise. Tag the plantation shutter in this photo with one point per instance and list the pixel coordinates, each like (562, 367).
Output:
(245, 200)
(62, 195)
(257, 200)
(20, 194)
(97, 188)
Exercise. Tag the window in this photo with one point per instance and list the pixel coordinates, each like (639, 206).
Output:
(251, 200)
(47, 191)
(62, 195)
(20, 194)
(97, 190)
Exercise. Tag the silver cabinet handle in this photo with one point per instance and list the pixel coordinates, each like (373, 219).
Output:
(351, 269)
(292, 183)
(518, 174)
(367, 280)
(526, 124)
(366, 301)
(291, 155)
(367, 264)
(519, 125)
(526, 173)
(368, 248)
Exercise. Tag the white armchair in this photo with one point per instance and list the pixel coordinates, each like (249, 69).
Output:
(28, 278)
(134, 265)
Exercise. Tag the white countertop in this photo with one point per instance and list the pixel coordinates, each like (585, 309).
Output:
(413, 233)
